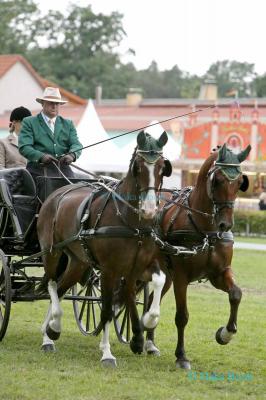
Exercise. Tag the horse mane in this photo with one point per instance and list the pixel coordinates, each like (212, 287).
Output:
(132, 160)
(204, 169)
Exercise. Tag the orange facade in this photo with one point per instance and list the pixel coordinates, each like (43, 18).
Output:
(199, 140)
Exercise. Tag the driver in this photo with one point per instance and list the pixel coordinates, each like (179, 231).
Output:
(48, 139)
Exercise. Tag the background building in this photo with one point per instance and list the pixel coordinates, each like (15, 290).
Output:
(201, 124)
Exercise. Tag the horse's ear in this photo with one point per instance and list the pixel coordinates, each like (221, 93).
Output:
(141, 139)
(167, 171)
(222, 152)
(245, 184)
(243, 155)
(163, 139)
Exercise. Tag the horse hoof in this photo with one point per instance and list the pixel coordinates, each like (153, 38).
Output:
(223, 336)
(151, 349)
(136, 347)
(48, 348)
(52, 334)
(109, 362)
(154, 353)
(183, 364)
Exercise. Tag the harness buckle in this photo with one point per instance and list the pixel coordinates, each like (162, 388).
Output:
(205, 243)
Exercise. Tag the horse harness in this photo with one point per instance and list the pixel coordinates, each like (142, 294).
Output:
(205, 241)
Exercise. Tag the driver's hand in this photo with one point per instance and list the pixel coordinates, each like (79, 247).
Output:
(48, 159)
(67, 159)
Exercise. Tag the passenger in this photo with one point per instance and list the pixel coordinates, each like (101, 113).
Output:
(47, 138)
(9, 153)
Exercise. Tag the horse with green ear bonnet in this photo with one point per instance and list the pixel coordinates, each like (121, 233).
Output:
(151, 149)
(229, 164)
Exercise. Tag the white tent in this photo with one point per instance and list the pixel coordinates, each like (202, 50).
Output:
(172, 149)
(106, 156)
(113, 156)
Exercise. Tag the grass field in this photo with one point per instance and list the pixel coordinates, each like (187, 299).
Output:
(250, 239)
(235, 371)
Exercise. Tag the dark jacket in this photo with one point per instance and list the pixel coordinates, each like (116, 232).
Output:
(36, 139)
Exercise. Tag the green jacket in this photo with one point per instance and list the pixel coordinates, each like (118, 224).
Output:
(36, 139)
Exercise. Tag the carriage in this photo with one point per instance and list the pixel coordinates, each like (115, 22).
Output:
(203, 215)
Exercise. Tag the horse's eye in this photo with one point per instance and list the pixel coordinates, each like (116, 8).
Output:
(218, 180)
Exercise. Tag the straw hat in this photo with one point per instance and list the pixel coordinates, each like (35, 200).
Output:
(51, 94)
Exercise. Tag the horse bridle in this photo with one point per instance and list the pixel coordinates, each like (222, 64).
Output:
(217, 204)
(142, 154)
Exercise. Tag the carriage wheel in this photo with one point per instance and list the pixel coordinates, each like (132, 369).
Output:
(88, 312)
(121, 318)
(5, 294)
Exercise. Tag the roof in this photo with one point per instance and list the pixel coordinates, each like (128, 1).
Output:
(117, 116)
(8, 60)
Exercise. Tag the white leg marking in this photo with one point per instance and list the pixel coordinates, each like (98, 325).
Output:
(116, 309)
(149, 205)
(150, 318)
(46, 340)
(56, 310)
(226, 336)
(105, 345)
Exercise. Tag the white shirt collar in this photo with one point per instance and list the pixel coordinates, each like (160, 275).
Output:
(46, 118)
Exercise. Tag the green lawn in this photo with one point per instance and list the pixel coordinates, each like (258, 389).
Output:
(250, 239)
(235, 371)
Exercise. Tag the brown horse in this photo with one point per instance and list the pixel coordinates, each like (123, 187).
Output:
(110, 227)
(200, 218)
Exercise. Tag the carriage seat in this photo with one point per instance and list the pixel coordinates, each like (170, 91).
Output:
(18, 193)
(20, 184)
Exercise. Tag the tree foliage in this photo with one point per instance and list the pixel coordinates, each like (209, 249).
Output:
(17, 20)
(233, 75)
(79, 51)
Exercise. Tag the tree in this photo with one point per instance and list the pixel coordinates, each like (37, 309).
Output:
(17, 25)
(233, 75)
(260, 86)
(83, 53)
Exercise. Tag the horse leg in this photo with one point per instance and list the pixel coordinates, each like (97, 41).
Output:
(47, 344)
(149, 345)
(151, 317)
(107, 360)
(137, 341)
(226, 283)
(71, 275)
(53, 328)
(181, 318)
(106, 317)
(54, 313)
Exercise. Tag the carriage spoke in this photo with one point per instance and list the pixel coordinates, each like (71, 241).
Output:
(82, 309)
(87, 312)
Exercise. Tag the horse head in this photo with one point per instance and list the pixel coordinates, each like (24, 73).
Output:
(224, 179)
(148, 167)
